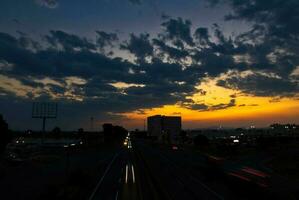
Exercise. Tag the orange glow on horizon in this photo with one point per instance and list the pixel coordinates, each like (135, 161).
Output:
(262, 111)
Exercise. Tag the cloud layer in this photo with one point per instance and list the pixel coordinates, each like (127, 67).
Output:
(84, 73)
(48, 3)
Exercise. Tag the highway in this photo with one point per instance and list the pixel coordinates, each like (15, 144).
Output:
(141, 171)
(125, 177)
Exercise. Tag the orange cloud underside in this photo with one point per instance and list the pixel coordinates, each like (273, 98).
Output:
(248, 109)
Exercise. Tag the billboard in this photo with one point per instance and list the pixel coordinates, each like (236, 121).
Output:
(44, 110)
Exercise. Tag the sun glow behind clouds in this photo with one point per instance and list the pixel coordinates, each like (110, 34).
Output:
(248, 109)
(72, 87)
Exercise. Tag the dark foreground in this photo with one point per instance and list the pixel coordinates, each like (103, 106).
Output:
(145, 171)
(150, 172)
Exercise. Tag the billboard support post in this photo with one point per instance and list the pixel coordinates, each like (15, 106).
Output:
(44, 110)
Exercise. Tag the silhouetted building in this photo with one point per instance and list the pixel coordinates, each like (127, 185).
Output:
(166, 127)
(113, 133)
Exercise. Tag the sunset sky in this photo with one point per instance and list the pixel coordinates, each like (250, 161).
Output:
(225, 63)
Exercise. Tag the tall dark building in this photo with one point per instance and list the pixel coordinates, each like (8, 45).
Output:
(159, 125)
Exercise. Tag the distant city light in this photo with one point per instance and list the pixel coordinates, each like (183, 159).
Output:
(174, 147)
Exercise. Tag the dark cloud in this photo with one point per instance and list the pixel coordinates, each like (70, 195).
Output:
(260, 85)
(271, 44)
(233, 96)
(202, 35)
(171, 72)
(204, 107)
(178, 30)
(106, 39)
(60, 61)
(72, 56)
(199, 107)
(164, 51)
(278, 16)
(212, 63)
(274, 30)
(254, 104)
(28, 43)
(221, 106)
(69, 41)
(48, 3)
(140, 46)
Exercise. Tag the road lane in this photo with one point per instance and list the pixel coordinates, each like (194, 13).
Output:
(175, 181)
(109, 184)
(143, 172)
(129, 188)
(119, 180)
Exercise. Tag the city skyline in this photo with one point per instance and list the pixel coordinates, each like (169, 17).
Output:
(214, 63)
